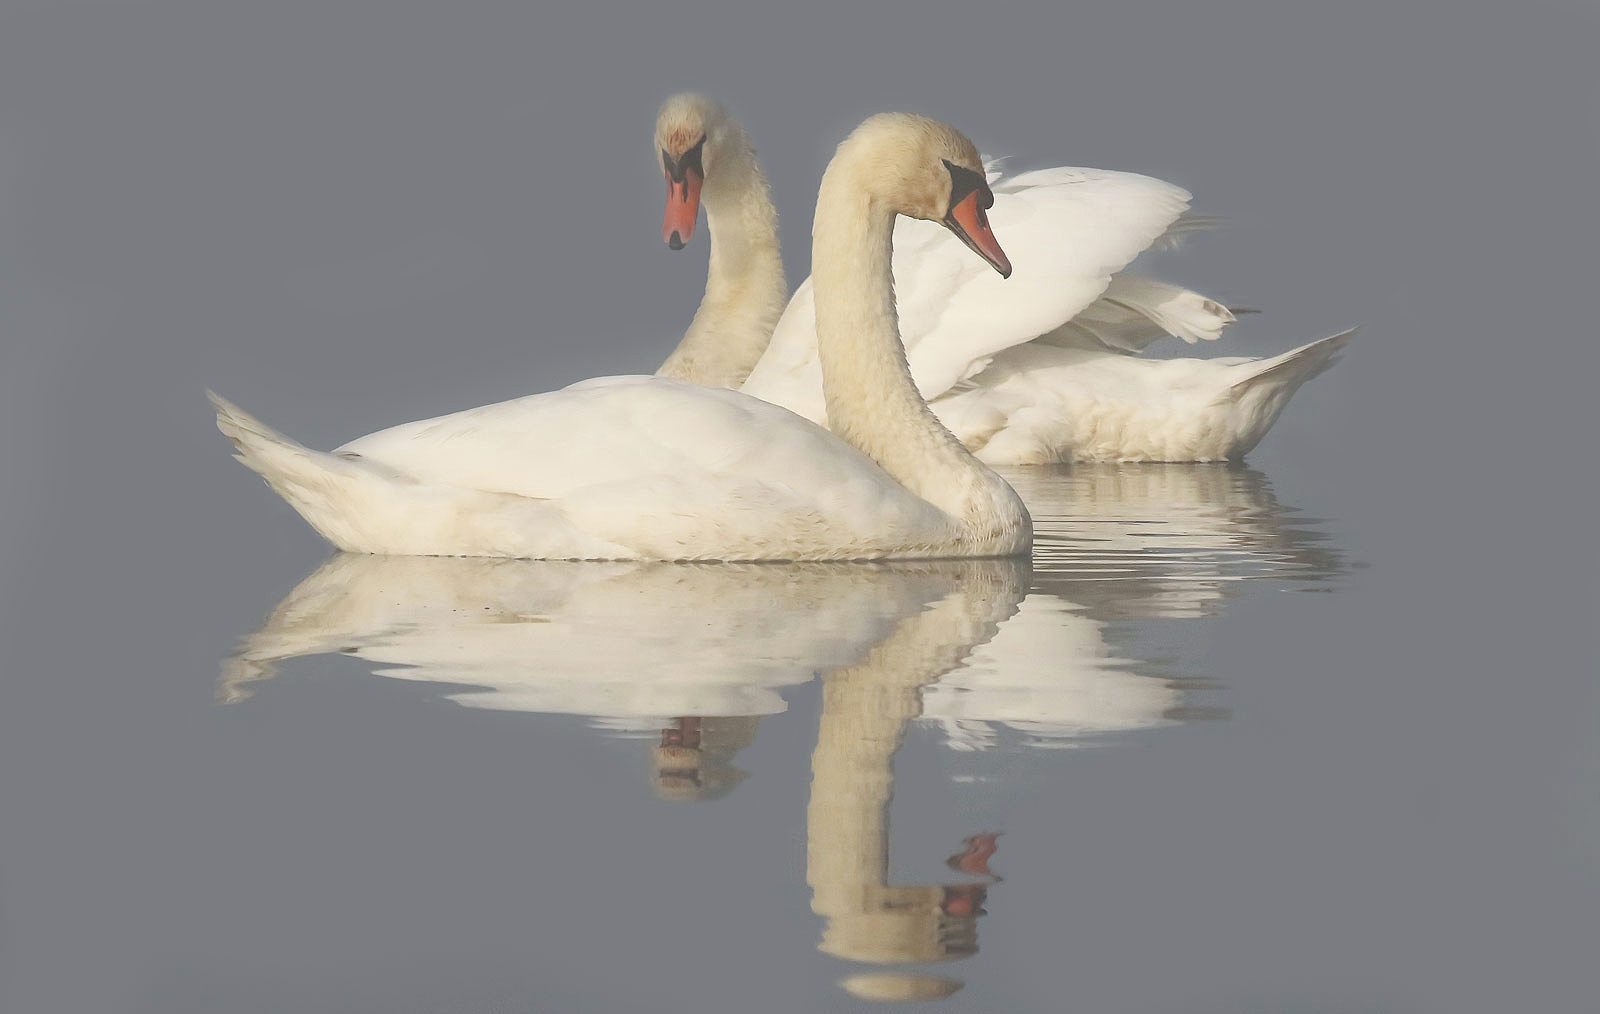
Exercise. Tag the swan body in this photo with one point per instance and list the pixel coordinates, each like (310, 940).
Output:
(1046, 369)
(615, 468)
(1035, 404)
(655, 468)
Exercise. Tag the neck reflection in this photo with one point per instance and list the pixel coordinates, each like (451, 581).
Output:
(865, 710)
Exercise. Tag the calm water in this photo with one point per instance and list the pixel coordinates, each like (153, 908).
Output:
(998, 669)
(626, 785)
(1202, 752)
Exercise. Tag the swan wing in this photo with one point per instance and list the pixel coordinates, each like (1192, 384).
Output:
(1133, 312)
(610, 430)
(669, 470)
(1068, 231)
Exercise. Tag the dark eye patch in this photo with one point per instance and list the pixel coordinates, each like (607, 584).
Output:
(964, 181)
(690, 160)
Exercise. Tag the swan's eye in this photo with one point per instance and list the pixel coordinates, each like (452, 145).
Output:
(678, 168)
(964, 181)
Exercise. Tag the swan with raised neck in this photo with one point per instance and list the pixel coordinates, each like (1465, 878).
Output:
(707, 158)
(873, 403)
(654, 468)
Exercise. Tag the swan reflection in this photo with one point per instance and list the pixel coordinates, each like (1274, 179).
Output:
(1161, 542)
(1137, 541)
(630, 643)
(866, 708)
(1117, 546)
(990, 652)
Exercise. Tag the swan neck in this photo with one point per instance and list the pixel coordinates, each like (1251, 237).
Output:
(745, 286)
(872, 400)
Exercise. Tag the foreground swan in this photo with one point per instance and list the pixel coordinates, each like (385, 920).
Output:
(1037, 372)
(653, 468)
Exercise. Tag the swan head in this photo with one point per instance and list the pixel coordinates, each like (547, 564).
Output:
(922, 168)
(695, 136)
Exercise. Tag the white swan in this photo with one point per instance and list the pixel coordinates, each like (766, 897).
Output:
(715, 165)
(654, 468)
(1038, 372)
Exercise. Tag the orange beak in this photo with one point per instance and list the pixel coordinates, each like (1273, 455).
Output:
(969, 221)
(683, 205)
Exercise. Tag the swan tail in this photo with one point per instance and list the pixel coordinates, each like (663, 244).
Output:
(365, 506)
(323, 488)
(1288, 371)
(1254, 401)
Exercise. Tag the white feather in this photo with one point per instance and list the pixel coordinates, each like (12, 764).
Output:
(1039, 367)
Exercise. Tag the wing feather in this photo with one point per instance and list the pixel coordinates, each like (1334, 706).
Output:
(1068, 231)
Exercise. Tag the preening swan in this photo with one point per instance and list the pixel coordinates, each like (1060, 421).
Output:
(1039, 371)
(655, 468)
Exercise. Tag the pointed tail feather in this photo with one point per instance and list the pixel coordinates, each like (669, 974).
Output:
(325, 489)
(1295, 367)
(289, 468)
(367, 506)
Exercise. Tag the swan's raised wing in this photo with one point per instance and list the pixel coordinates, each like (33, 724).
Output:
(1067, 232)
(1135, 311)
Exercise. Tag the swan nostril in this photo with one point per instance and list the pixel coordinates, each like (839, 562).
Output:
(675, 241)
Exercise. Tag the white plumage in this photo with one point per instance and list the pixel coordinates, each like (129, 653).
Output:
(1041, 367)
(655, 468)
(619, 468)
(1034, 369)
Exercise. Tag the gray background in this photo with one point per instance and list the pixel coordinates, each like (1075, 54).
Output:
(346, 215)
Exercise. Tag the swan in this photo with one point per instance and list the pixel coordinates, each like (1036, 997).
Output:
(715, 166)
(1040, 372)
(657, 468)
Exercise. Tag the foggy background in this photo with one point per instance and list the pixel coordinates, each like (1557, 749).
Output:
(348, 215)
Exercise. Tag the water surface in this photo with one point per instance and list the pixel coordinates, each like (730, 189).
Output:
(996, 667)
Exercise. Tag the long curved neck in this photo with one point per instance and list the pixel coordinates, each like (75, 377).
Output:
(871, 398)
(745, 287)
